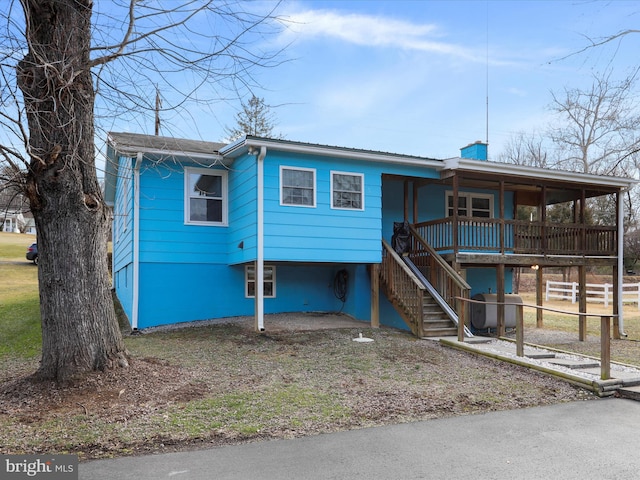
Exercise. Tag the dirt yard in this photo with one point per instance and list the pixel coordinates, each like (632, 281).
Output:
(221, 384)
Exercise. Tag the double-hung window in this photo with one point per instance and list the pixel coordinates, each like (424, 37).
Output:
(297, 186)
(205, 196)
(269, 281)
(347, 191)
(478, 205)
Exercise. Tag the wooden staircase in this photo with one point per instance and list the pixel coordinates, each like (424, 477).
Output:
(435, 322)
(412, 299)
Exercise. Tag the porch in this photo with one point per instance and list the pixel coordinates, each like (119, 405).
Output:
(498, 216)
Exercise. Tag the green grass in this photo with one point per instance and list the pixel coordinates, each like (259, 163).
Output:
(13, 246)
(20, 333)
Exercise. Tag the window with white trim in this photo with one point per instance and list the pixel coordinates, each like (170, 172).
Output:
(269, 281)
(478, 205)
(297, 186)
(347, 190)
(205, 196)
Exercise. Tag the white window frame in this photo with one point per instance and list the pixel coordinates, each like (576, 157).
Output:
(282, 186)
(469, 196)
(224, 197)
(350, 174)
(248, 280)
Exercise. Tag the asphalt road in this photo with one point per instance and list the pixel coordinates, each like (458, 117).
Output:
(579, 440)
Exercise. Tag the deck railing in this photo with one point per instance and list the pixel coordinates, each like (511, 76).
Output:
(517, 236)
(447, 282)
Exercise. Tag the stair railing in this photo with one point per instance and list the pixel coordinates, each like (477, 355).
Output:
(447, 282)
(404, 289)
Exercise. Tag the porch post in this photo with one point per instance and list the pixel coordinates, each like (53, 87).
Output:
(375, 295)
(500, 309)
(501, 207)
(619, 332)
(582, 302)
(539, 297)
(415, 203)
(406, 201)
(454, 219)
(616, 302)
(583, 226)
(543, 218)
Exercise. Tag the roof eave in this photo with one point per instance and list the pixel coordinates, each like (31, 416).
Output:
(246, 144)
(524, 171)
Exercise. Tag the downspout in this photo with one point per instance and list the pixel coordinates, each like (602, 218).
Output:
(259, 306)
(620, 263)
(136, 242)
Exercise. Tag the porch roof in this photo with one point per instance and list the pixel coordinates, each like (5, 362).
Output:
(523, 175)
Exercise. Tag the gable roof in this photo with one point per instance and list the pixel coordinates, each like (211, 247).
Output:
(163, 148)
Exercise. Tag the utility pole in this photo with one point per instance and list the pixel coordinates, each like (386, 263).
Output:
(158, 106)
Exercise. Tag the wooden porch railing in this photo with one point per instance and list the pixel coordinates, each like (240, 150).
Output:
(447, 282)
(404, 290)
(517, 236)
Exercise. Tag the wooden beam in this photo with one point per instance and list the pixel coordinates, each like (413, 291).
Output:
(582, 302)
(415, 203)
(501, 210)
(616, 304)
(467, 258)
(539, 297)
(406, 200)
(500, 292)
(454, 224)
(375, 295)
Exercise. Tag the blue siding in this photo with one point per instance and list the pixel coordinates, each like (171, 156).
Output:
(123, 235)
(243, 210)
(164, 236)
(175, 293)
(322, 234)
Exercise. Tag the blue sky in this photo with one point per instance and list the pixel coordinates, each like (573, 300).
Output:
(412, 76)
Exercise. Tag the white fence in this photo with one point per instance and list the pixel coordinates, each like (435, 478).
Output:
(596, 292)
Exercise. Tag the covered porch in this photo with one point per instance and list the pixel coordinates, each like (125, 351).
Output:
(498, 216)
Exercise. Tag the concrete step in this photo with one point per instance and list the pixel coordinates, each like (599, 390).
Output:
(574, 364)
(632, 393)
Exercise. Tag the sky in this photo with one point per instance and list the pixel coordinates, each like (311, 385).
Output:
(428, 77)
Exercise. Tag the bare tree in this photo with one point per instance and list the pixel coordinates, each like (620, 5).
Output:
(526, 149)
(255, 118)
(57, 70)
(598, 130)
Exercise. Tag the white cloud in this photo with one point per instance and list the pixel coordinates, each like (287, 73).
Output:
(373, 31)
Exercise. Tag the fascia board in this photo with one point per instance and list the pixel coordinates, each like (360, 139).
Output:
(244, 145)
(535, 172)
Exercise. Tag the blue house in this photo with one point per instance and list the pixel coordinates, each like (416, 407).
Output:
(204, 230)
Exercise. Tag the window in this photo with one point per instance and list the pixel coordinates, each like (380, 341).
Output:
(205, 196)
(347, 190)
(471, 205)
(269, 281)
(297, 186)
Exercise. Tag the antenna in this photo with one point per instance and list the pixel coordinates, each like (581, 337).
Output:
(487, 77)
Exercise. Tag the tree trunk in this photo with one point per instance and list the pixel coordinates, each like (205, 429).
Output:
(80, 331)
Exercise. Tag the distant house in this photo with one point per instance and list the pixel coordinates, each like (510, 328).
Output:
(15, 216)
(198, 224)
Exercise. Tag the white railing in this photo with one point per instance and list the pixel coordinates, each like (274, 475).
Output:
(596, 292)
